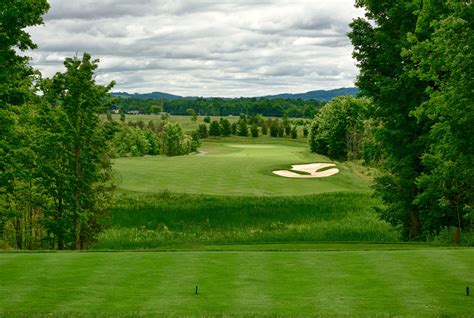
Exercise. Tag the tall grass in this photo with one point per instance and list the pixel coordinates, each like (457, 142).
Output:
(151, 221)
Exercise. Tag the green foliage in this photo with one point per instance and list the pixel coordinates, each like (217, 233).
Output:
(254, 130)
(223, 107)
(174, 142)
(77, 176)
(443, 56)
(242, 128)
(191, 112)
(305, 131)
(416, 63)
(294, 132)
(378, 41)
(337, 129)
(233, 128)
(207, 119)
(214, 129)
(274, 128)
(225, 127)
(203, 133)
(131, 142)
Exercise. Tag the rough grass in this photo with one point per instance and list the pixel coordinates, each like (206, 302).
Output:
(151, 221)
(418, 282)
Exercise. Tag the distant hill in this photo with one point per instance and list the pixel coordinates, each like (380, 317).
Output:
(321, 95)
(154, 95)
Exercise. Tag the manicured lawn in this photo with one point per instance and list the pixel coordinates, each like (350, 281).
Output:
(417, 282)
(243, 167)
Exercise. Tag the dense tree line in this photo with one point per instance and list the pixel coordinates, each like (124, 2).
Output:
(223, 107)
(254, 126)
(55, 147)
(55, 176)
(416, 64)
(136, 139)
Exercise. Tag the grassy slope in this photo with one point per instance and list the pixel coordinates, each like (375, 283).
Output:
(360, 283)
(243, 167)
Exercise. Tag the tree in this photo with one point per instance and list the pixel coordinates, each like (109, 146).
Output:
(294, 132)
(442, 56)
(233, 128)
(242, 128)
(338, 127)
(214, 129)
(18, 103)
(173, 141)
(254, 130)
(191, 112)
(226, 128)
(264, 129)
(207, 119)
(202, 128)
(274, 128)
(78, 101)
(414, 61)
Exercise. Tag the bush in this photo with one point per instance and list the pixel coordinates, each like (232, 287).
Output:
(207, 119)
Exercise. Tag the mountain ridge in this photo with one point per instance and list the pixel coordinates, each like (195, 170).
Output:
(320, 95)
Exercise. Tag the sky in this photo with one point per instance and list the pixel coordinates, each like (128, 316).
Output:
(203, 48)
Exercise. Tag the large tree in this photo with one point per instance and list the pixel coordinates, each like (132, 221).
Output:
(415, 60)
(80, 172)
(442, 55)
(17, 99)
(379, 40)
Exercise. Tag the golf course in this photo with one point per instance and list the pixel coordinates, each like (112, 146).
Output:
(231, 159)
(254, 243)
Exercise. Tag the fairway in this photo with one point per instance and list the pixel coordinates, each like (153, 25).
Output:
(417, 282)
(243, 167)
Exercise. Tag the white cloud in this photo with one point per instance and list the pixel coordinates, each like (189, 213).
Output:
(204, 48)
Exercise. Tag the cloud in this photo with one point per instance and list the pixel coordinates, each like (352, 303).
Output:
(203, 48)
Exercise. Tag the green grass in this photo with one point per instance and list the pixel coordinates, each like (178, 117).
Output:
(417, 282)
(238, 166)
(153, 221)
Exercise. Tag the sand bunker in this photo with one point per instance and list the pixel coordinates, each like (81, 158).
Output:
(311, 168)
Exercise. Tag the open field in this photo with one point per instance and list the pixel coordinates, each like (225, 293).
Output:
(243, 167)
(413, 282)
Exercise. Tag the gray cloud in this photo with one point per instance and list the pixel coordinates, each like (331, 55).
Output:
(208, 48)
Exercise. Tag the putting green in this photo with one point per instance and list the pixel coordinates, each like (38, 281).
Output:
(233, 168)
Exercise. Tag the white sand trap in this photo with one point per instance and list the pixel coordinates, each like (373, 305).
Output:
(311, 168)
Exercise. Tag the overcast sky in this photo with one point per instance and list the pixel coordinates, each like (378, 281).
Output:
(203, 48)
